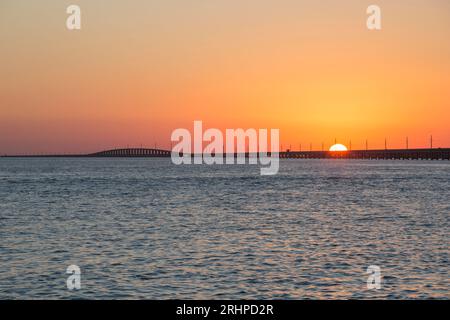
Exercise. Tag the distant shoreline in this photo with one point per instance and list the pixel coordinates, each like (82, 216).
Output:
(413, 154)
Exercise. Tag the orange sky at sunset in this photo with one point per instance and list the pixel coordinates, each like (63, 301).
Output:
(139, 69)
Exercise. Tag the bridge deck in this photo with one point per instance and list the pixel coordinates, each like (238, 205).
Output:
(413, 154)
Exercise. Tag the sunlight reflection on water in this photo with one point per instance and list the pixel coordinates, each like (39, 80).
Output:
(144, 228)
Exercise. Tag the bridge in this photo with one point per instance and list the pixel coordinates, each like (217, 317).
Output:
(387, 154)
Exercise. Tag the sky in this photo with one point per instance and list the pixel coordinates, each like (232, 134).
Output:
(139, 69)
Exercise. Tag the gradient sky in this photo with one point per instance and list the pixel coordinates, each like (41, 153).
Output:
(139, 69)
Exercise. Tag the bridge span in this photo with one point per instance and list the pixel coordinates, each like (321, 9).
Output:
(389, 154)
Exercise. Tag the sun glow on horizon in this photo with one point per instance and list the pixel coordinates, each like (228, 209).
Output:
(150, 67)
(338, 147)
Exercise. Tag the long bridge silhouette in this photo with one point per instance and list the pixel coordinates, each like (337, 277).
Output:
(387, 154)
(412, 154)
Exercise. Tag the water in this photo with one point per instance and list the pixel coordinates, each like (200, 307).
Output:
(144, 228)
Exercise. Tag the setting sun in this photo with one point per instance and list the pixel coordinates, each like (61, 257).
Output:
(338, 147)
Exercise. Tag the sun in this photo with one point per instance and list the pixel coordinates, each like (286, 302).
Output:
(338, 147)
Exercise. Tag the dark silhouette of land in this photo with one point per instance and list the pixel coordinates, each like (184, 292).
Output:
(401, 154)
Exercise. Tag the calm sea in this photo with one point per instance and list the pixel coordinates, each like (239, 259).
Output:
(144, 228)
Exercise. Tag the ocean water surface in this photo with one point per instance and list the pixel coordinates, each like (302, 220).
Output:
(145, 228)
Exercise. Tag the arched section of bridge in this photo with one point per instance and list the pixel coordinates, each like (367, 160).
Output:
(132, 152)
